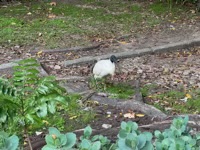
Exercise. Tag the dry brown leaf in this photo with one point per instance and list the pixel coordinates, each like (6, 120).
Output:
(51, 16)
(188, 96)
(69, 54)
(129, 115)
(123, 42)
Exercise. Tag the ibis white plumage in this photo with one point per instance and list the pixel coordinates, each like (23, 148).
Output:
(105, 67)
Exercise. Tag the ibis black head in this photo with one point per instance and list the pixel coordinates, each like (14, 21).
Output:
(113, 59)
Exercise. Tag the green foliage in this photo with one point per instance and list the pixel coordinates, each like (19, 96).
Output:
(130, 138)
(27, 97)
(96, 142)
(8, 143)
(56, 140)
(30, 94)
(176, 137)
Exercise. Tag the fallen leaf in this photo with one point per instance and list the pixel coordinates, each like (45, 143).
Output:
(29, 13)
(73, 117)
(139, 115)
(38, 133)
(39, 53)
(108, 112)
(40, 34)
(193, 11)
(123, 42)
(57, 67)
(68, 54)
(168, 108)
(46, 122)
(172, 27)
(106, 126)
(129, 115)
(188, 96)
(51, 16)
(13, 23)
(108, 116)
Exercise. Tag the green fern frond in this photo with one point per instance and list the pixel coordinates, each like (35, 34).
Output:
(6, 88)
(8, 107)
(26, 73)
(28, 95)
(48, 85)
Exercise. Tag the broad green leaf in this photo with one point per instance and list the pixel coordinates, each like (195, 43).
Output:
(148, 136)
(48, 147)
(30, 118)
(42, 110)
(87, 131)
(148, 146)
(12, 142)
(96, 146)
(49, 140)
(51, 107)
(3, 117)
(141, 141)
(63, 139)
(123, 125)
(85, 144)
(122, 145)
(71, 140)
(42, 89)
(157, 133)
(53, 130)
(122, 134)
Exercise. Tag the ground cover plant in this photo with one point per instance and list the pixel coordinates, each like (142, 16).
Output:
(178, 136)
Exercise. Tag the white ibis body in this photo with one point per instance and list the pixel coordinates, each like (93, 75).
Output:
(105, 67)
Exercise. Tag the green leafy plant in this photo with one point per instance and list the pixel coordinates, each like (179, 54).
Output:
(56, 140)
(176, 137)
(131, 138)
(96, 142)
(27, 97)
(8, 142)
